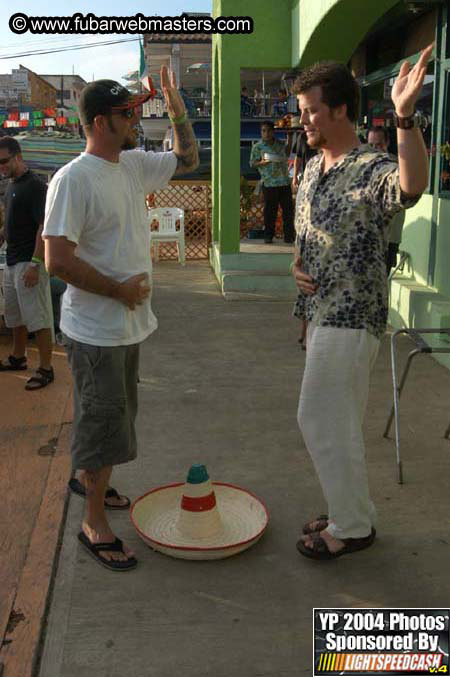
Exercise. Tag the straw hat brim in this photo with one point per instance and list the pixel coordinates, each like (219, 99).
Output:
(244, 519)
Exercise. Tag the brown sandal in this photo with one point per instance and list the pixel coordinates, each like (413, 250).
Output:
(321, 523)
(320, 550)
(42, 378)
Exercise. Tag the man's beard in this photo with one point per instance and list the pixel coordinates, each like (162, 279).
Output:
(130, 140)
(320, 142)
(129, 143)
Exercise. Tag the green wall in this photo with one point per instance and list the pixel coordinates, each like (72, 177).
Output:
(332, 29)
(442, 271)
(416, 237)
(268, 47)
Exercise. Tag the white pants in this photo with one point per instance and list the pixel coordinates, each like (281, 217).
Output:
(333, 401)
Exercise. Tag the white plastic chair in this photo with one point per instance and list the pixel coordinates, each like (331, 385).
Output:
(166, 218)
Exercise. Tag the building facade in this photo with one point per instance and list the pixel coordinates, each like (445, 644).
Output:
(68, 89)
(14, 88)
(40, 93)
(189, 57)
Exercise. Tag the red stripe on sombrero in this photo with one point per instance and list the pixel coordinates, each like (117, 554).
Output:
(198, 503)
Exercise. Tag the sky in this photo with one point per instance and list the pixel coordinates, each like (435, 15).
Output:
(110, 62)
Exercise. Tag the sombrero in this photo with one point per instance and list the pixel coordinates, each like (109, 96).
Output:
(199, 519)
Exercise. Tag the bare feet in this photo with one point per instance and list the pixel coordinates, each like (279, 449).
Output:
(103, 534)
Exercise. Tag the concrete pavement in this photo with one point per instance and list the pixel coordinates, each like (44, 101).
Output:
(34, 467)
(219, 385)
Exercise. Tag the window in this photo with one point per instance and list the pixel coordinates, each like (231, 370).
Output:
(444, 114)
(376, 64)
(444, 183)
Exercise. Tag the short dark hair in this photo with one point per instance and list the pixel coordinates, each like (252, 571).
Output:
(11, 145)
(337, 83)
(267, 123)
(380, 130)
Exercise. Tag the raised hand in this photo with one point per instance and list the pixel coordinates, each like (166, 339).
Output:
(174, 101)
(408, 84)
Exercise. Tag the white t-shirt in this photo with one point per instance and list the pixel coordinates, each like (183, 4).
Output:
(100, 206)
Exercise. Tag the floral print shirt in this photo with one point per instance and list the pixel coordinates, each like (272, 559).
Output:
(275, 173)
(342, 223)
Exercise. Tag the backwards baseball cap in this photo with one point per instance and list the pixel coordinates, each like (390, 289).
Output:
(101, 97)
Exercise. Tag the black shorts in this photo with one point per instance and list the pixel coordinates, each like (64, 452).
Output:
(105, 404)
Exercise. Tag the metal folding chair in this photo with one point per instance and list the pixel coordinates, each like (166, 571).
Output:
(404, 258)
(421, 347)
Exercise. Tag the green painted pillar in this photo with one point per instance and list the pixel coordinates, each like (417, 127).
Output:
(215, 174)
(269, 46)
(229, 152)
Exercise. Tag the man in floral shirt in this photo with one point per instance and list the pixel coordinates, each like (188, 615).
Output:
(276, 182)
(345, 203)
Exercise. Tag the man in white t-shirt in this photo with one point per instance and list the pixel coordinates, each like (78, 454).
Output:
(97, 239)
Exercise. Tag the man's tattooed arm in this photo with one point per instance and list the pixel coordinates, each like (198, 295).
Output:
(185, 148)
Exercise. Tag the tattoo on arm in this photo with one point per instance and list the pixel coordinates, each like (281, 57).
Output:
(185, 148)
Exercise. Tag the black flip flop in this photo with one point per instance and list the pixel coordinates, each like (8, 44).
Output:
(320, 548)
(14, 364)
(95, 550)
(77, 488)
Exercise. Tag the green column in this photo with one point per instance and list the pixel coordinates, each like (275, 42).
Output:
(229, 152)
(215, 174)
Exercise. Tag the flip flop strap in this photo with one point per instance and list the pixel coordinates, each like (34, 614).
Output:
(117, 546)
(322, 520)
(112, 493)
(43, 376)
(319, 545)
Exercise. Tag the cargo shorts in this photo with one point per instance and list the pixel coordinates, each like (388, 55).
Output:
(27, 306)
(105, 404)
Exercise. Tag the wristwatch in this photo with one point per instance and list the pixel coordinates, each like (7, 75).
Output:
(417, 120)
